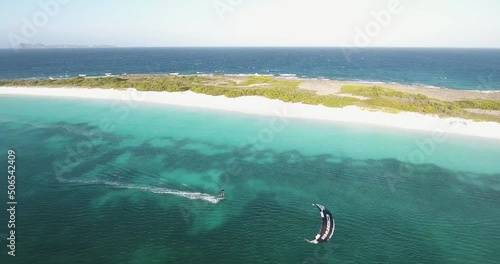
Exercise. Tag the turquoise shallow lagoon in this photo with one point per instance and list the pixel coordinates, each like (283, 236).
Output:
(106, 182)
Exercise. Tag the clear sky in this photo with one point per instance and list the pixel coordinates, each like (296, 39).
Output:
(417, 23)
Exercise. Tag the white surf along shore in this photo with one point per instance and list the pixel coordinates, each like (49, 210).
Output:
(263, 106)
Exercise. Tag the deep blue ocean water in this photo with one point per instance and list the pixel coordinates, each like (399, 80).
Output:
(473, 69)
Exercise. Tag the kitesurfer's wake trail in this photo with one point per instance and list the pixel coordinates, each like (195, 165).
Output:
(118, 177)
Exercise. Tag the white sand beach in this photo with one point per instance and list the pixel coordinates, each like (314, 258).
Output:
(263, 106)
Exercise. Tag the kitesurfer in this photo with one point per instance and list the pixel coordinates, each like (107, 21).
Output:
(222, 194)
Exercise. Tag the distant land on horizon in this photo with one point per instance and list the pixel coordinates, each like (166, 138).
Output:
(61, 46)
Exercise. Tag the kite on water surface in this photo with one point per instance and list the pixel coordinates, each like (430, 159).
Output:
(327, 226)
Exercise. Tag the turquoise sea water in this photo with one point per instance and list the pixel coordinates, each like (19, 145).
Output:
(106, 182)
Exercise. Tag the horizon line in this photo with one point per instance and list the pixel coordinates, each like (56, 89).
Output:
(341, 47)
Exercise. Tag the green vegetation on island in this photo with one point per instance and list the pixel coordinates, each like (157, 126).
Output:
(377, 92)
(287, 90)
(281, 89)
(480, 104)
(391, 100)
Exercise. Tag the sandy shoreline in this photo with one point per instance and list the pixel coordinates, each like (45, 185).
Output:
(248, 105)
